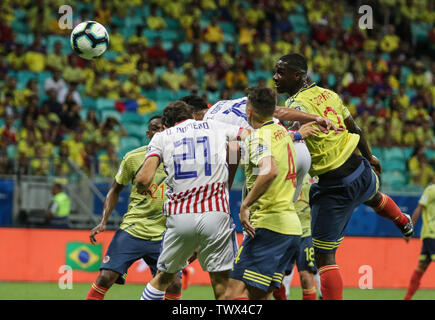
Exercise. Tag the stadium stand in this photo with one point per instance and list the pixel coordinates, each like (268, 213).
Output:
(385, 74)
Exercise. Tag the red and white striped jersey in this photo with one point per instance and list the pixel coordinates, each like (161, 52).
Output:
(194, 158)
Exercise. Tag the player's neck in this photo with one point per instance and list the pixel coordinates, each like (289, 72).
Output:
(259, 123)
(298, 88)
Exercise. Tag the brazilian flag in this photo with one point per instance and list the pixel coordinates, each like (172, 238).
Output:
(83, 256)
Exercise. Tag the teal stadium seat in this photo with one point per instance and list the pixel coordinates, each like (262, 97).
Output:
(173, 24)
(162, 103)
(132, 118)
(430, 153)
(136, 130)
(129, 143)
(89, 103)
(110, 113)
(396, 179)
(169, 35)
(186, 48)
(23, 77)
(394, 159)
(105, 104)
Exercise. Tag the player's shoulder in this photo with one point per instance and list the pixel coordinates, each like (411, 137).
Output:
(430, 189)
(138, 152)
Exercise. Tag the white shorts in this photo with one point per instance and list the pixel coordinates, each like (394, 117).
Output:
(213, 231)
(303, 164)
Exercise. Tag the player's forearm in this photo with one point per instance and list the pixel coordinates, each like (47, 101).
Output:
(416, 214)
(282, 113)
(110, 202)
(363, 146)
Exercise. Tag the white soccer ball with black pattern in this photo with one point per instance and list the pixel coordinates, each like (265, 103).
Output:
(89, 39)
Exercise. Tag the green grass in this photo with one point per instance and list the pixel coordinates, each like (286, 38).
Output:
(51, 291)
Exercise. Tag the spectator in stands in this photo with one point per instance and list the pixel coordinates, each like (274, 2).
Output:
(55, 82)
(417, 78)
(194, 33)
(16, 58)
(56, 60)
(156, 53)
(110, 132)
(283, 24)
(218, 66)
(154, 21)
(7, 107)
(213, 32)
(236, 79)
(70, 118)
(147, 77)
(34, 58)
(73, 72)
(359, 86)
(421, 172)
(175, 54)
(116, 40)
(103, 14)
(61, 161)
(69, 95)
(57, 215)
(390, 41)
(111, 87)
(54, 106)
(108, 162)
(83, 16)
(171, 78)
(131, 88)
(8, 133)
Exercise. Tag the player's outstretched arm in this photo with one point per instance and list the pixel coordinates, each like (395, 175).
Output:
(109, 204)
(363, 146)
(146, 174)
(267, 174)
(289, 114)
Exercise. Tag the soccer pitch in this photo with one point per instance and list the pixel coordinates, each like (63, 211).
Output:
(51, 291)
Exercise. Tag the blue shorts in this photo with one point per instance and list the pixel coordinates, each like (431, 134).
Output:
(262, 260)
(305, 259)
(124, 249)
(332, 203)
(428, 250)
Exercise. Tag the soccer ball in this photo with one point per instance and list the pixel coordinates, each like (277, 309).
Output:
(89, 39)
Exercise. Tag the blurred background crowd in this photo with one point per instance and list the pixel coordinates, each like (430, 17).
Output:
(59, 112)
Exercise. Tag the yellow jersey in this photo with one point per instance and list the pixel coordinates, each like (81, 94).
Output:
(328, 151)
(274, 210)
(144, 218)
(427, 200)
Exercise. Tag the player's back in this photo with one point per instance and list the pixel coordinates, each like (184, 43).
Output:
(328, 151)
(229, 111)
(274, 210)
(194, 158)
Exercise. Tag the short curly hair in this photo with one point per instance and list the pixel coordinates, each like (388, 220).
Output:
(175, 112)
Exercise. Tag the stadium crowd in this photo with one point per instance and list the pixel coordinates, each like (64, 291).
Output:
(55, 106)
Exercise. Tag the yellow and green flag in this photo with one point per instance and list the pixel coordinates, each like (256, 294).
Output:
(83, 256)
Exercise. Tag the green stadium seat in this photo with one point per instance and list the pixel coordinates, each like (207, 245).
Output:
(151, 34)
(346, 23)
(394, 179)
(165, 94)
(110, 55)
(394, 165)
(186, 48)
(105, 104)
(378, 153)
(238, 94)
(89, 103)
(129, 143)
(407, 152)
(20, 14)
(110, 113)
(23, 77)
(430, 153)
(297, 19)
(420, 31)
(11, 151)
(394, 153)
(162, 103)
(19, 26)
(227, 27)
(150, 94)
(173, 24)
(136, 130)
(132, 118)
(24, 38)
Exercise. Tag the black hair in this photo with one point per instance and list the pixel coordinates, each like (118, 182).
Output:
(176, 111)
(295, 61)
(158, 116)
(196, 102)
(263, 100)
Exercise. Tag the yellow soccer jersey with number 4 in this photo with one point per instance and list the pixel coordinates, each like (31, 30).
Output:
(274, 210)
(328, 151)
(144, 218)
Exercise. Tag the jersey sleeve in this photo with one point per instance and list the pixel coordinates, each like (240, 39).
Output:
(230, 131)
(155, 148)
(345, 112)
(257, 149)
(425, 198)
(124, 174)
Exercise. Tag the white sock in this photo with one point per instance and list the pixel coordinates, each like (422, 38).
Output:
(151, 293)
(317, 279)
(287, 281)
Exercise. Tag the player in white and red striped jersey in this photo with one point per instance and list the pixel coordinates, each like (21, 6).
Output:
(234, 112)
(193, 154)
